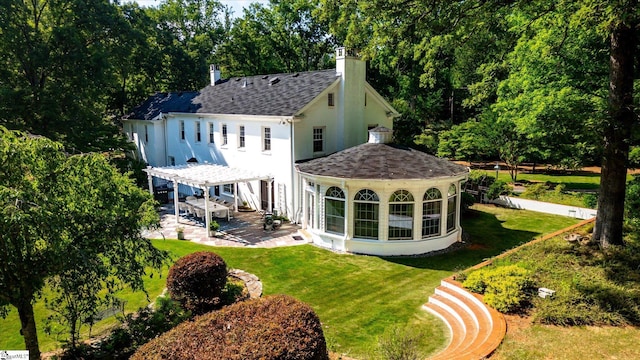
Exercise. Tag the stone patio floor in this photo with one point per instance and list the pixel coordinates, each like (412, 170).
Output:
(244, 229)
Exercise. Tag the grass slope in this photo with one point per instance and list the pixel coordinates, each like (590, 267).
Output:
(356, 297)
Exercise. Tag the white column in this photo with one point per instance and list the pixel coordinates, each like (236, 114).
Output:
(445, 209)
(207, 216)
(235, 196)
(417, 218)
(150, 179)
(176, 208)
(269, 198)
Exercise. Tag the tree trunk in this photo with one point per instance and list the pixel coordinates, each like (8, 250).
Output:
(29, 332)
(617, 134)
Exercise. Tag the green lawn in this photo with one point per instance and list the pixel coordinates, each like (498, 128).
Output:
(586, 181)
(356, 297)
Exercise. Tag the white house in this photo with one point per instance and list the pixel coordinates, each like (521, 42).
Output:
(267, 124)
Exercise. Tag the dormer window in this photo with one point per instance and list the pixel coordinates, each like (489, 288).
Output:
(331, 100)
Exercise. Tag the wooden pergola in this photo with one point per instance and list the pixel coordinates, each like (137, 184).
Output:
(205, 176)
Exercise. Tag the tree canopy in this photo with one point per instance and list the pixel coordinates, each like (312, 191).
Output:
(67, 218)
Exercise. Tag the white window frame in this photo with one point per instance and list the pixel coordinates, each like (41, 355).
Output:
(331, 100)
(266, 139)
(224, 135)
(320, 140)
(211, 133)
(198, 132)
(146, 134)
(242, 137)
(182, 131)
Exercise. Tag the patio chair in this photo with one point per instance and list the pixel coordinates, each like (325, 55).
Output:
(182, 207)
(191, 198)
(200, 213)
(191, 210)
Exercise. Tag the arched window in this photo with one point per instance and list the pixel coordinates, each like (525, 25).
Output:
(334, 210)
(451, 208)
(431, 213)
(401, 215)
(366, 214)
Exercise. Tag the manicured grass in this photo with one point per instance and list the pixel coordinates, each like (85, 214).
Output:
(356, 297)
(586, 181)
(569, 343)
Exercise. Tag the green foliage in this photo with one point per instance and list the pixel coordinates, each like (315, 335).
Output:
(498, 188)
(535, 191)
(467, 201)
(197, 281)
(72, 221)
(505, 288)
(400, 344)
(214, 226)
(136, 330)
(274, 327)
(632, 202)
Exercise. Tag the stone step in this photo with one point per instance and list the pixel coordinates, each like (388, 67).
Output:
(481, 329)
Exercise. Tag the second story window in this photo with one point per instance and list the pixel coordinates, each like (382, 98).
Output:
(224, 134)
(210, 133)
(318, 139)
(146, 134)
(198, 132)
(182, 136)
(241, 136)
(331, 100)
(266, 139)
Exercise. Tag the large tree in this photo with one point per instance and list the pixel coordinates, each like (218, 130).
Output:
(60, 214)
(284, 36)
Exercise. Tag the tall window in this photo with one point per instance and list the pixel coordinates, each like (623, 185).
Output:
(334, 210)
(431, 213)
(241, 136)
(211, 133)
(366, 214)
(224, 134)
(266, 139)
(172, 161)
(401, 215)
(182, 130)
(146, 134)
(318, 139)
(198, 132)
(451, 208)
(331, 99)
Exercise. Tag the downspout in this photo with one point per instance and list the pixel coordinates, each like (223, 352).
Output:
(294, 199)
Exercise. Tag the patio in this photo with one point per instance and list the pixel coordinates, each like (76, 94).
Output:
(244, 229)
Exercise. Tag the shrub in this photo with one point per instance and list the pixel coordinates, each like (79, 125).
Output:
(197, 281)
(400, 344)
(274, 327)
(590, 201)
(467, 201)
(498, 188)
(505, 287)
(139, 328)
(535, 191)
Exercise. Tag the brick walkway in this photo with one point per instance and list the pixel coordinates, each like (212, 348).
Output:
(244, 229)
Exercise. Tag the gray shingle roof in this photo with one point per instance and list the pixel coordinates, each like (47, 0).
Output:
(381, 162)
(252, 95)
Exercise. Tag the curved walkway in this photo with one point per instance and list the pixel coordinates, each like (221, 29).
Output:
(244, 229)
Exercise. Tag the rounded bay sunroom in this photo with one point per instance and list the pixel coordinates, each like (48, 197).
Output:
(382, 199)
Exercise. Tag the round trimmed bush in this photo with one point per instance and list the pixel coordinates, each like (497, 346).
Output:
(197, 281)
(274, 327)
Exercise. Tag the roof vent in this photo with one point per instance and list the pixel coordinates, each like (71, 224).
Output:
(237, 79)
(273, 81)
(265, 77)
(192, 161)
(380, 135)
(244, 83)
(295, 75)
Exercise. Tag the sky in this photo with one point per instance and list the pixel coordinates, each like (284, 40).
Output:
(236, 5)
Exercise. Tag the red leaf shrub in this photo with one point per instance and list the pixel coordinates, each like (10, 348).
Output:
(275, 327)
(196, 281)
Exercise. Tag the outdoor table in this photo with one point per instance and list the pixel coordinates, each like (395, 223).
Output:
(213, 207)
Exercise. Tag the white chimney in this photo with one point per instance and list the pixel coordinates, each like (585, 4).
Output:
(215, 74)
(380, 135)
